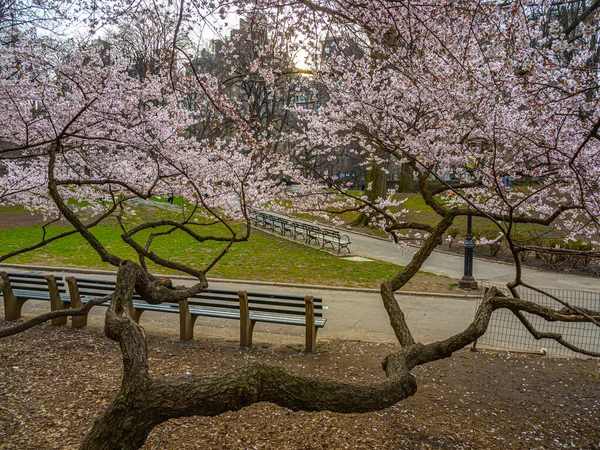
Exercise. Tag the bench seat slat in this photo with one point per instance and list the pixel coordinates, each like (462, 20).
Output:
(284, 319)
(163, 307)
(35, 295)
(158, 308)
(255, 316)
(219, 313)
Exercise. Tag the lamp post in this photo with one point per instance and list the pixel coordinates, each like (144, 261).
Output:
(467, 281)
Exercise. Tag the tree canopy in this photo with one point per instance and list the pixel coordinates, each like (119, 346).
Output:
(479, 90)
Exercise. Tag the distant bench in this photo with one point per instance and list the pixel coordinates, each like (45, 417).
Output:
(248, 308)
(309, 233)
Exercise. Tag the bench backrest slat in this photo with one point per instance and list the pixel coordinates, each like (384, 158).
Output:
(217, 298)
(282, 308)
(98, 288)
(261, 295)
(33, 282)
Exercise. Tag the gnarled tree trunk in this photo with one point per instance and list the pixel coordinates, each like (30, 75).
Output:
(375, 187)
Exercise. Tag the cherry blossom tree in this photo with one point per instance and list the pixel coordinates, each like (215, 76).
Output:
(477, 89)
(489, 91)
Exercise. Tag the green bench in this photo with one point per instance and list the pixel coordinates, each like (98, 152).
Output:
(247, 307)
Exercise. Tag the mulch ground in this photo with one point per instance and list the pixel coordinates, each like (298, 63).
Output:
(55, 380)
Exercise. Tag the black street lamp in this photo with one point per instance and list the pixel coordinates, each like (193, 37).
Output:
(467, 281)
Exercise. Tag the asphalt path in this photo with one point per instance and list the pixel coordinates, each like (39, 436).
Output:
(451, 265)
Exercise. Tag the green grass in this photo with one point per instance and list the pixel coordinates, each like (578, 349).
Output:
(12, 209)
(419, 211)
(264, 257)
(177, 200)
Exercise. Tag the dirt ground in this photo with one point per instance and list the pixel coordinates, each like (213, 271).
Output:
(55, 380)
(20, 219)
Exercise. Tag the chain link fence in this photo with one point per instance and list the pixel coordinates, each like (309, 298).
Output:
(506, 332)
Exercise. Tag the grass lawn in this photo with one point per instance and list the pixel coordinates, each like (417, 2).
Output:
(419, 211)
(264, 257)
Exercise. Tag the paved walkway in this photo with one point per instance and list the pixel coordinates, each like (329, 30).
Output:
(451, 265)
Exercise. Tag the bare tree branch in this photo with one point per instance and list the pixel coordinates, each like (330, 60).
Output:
(5, 332)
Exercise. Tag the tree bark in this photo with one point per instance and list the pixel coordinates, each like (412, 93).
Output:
(406, 180)
(143, 402)
(375, 187)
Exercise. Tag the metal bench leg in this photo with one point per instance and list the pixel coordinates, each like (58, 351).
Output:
(311, 330)
(56, 302)
(12, 305)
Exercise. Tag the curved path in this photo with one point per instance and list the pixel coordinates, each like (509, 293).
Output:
(451, 265)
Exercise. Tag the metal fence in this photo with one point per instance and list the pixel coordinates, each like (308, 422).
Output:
(506, 332)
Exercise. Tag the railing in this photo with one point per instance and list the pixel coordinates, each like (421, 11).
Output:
(506, 332)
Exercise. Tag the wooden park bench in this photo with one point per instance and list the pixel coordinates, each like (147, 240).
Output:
(252, 307)
(82, 290)
(17, 288)
(248, 308)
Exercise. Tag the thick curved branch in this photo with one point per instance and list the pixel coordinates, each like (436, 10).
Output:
(429, 245)
(570, 309)
(555, 336)
(71, 216)
(209, 395)
(395, 313)
(183, 228)
(162, 261)
(492, 301)
(584, 15)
